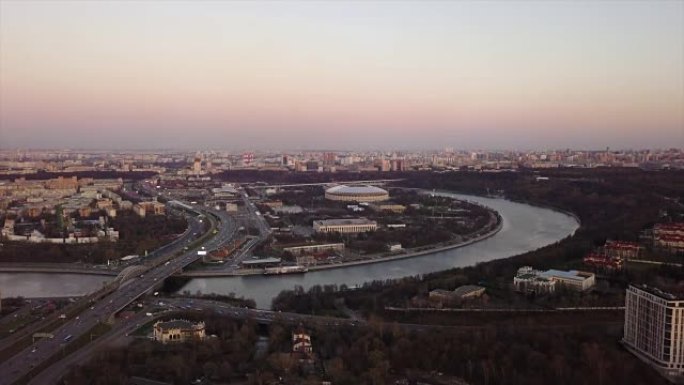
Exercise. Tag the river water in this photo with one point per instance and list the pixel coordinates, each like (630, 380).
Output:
(525, 228)
(32, 285)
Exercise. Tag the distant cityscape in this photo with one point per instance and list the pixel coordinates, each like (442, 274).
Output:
(15, 162)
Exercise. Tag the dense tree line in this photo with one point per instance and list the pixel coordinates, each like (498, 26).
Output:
(378, 354)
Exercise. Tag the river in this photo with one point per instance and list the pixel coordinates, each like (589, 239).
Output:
(525, 228)
(33, 285)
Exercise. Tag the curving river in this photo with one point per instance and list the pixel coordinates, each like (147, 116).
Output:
(525, 228)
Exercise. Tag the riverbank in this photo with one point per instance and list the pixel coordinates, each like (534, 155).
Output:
(55, 268)
(408, 254)
(525, 202)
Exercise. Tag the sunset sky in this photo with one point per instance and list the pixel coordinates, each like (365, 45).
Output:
(341, 75)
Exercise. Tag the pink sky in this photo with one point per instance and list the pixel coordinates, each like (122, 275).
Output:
(341, 75)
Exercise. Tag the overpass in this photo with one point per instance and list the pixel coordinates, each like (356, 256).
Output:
(158, 265)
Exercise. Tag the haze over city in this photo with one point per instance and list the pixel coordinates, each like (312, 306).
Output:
(358, 75)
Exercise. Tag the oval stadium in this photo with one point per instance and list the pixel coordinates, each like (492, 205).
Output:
(356, 194)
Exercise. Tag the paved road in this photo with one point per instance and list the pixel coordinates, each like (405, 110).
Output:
(503, 310)
(119, 332)
(19, 365)
(256, 218)
(156, 256)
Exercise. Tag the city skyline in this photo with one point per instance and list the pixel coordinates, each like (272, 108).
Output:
(355, 76)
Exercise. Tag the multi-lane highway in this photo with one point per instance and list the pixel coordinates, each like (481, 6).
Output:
(157, 256)
(160, 264)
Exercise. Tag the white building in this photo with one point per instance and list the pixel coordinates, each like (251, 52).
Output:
(356, 194)
(573, 279)
(529, 280)
(345, 226)
(654, 329)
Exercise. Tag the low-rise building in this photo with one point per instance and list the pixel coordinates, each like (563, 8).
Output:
(317, 248)
(461, 293)
(8, 228)
(301, 343)
(572, 279)
(603, 261)
(622, 249)
(469, 292)
(669, 235)
(293, 209)
(178, 331)
(139, 210)
(529, 280)
(149, 207)
(345, 226)
(104, 203)
(260, 262)
(394, 247)
(391, 207)
(441, 295)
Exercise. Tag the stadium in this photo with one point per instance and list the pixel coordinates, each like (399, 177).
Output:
(356, 194)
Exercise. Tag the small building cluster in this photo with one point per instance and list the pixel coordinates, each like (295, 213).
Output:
(461, 293)
(669, 236)
(528, 280)
(612, 255)
(388, 207)
(149, 207)
(313, 254)
(301, 345)
(178, 331)
(66, 210)
(314, 248)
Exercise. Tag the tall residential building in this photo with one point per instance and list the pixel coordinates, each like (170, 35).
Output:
(197, 166)
(654, 329)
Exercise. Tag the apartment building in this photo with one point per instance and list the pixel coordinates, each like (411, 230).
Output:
(654, 329)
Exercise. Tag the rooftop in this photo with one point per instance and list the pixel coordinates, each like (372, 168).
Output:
(675, 293)
(344, 221)
(571, 274)
(467, 289)
(176, 324)
(354, 190)
(260, 260)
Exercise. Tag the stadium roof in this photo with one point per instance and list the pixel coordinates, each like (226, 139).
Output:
(355, 190)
